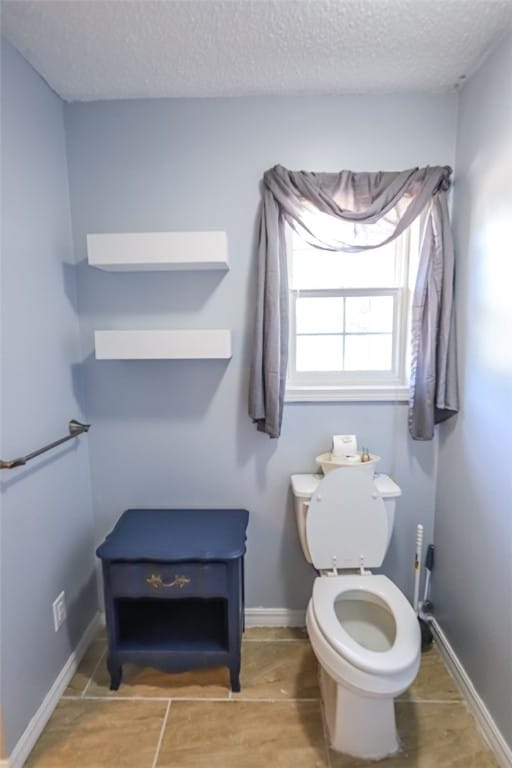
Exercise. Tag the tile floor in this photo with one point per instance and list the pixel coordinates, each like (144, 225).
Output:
(192, 720)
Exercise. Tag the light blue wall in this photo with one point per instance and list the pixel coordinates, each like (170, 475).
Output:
(176, 433)
(46, 515)
(473, 576)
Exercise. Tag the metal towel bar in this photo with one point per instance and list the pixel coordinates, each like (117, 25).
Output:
(75, 428)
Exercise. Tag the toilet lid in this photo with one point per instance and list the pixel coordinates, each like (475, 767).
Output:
(347, 521)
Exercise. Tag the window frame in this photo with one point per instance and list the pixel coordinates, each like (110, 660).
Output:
(370, 386)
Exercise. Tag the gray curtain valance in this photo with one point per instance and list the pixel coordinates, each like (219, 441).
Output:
(378, 207)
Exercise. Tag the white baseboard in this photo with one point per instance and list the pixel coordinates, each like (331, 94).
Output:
(33, 730)
(490, 730)
(274, 617)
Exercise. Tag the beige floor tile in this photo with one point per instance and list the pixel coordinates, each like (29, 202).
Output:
(245, 732)
(86, 668)
(144, 681)
(241, 734)
(277, 670)
(100, 734)
(275, 633)
(432, 736)
(433, 681)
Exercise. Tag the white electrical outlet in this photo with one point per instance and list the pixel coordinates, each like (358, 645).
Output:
(59, 611)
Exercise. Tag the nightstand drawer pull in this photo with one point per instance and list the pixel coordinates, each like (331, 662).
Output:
(156, 581)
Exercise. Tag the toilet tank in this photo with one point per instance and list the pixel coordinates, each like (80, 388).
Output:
(303, 487)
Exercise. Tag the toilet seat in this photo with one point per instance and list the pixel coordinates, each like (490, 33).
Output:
(403, 652)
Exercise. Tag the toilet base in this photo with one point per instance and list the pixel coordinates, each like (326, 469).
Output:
(358, 725)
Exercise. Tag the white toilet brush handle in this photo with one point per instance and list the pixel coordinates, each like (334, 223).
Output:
(417, 570)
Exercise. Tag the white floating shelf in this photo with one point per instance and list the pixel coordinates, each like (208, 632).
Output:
(162, 345)
(143, 251)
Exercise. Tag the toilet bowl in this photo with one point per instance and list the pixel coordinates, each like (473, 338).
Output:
(362, 629)
(366, 638)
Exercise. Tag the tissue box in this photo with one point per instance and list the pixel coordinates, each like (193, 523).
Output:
(344, 445)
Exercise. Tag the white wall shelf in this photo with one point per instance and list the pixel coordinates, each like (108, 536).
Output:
(149, 251)
(162, 345)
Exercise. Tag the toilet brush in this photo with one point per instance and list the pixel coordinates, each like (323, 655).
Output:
(417, 561)
(426, 634)
(426, 605)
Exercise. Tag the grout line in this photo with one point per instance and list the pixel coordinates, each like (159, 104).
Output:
(120, 698)
(275, 640)
(429, 701)
(160, 738)
(93, 673)
(252, 700)
(200, 698)
(192, 698)
(238, 697)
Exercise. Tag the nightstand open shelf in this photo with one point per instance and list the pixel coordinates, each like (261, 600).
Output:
(172, 625)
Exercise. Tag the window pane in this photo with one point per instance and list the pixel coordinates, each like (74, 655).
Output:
(368, 353)
(364, 314)
(319, 353)
(319, 315)
(313, 269)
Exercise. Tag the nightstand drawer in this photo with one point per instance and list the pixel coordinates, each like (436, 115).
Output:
(168, 580)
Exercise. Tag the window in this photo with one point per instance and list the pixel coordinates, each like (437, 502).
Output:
(349, 320)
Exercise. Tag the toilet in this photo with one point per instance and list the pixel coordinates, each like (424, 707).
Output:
(362, 629)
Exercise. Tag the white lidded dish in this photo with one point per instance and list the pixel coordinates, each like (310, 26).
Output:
(328, 462)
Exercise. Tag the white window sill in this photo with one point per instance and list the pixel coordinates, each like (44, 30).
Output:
(369, 394)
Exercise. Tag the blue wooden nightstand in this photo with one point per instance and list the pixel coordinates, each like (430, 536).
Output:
(174, 589)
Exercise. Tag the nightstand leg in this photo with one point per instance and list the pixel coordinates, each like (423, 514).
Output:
(115, 671)
(234, 678)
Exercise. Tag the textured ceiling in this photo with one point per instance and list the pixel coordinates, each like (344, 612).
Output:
(90, 49)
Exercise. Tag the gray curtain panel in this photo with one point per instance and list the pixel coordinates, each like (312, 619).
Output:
(363, 210)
